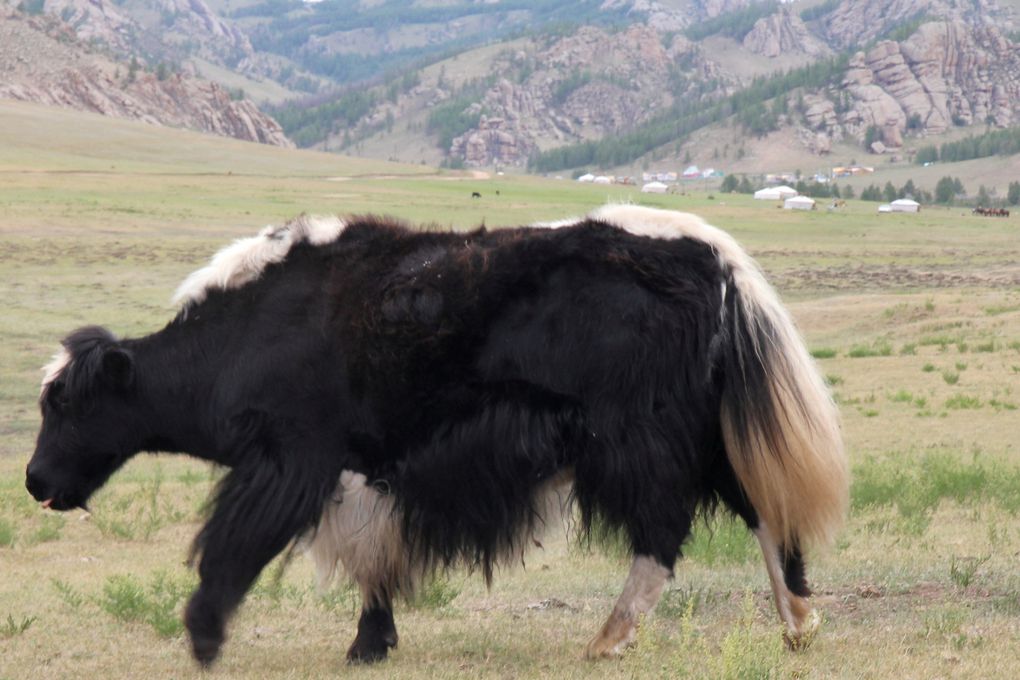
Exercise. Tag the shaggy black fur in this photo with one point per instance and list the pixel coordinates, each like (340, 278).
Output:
(463, 371)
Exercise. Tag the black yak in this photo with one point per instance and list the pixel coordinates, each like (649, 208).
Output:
(400, 401)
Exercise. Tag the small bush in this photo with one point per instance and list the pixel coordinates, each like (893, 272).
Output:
(950, 377)
(126, 599)
(1001, 405)
(985, 347)
(747, 655)
(901, 397)
(12, 628)
(49, 530)
(823, 353)
(962, 402)
(963, 570)
(878, 349)
(928, 368)
(6, 534)
(677, 602)
(436, 593)
(722, 539)
(909, 349)
(71, 597)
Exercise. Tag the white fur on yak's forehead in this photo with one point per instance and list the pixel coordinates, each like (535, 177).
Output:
(56, 366)
(245, 259)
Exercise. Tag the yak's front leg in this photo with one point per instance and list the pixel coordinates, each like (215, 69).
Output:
(641, 593)
(260, 507)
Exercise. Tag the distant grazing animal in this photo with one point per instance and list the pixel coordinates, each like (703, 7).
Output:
(402, 401)
(990, 212)
(475, 194)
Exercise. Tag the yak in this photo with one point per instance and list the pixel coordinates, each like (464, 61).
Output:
(401, 400)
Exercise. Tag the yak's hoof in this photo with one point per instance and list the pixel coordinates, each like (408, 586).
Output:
(617, 635)
(368, 651)
(206, 633)
(800, 640)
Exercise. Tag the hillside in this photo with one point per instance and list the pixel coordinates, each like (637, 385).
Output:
(557, 85)
(835, 75)
(43, 61)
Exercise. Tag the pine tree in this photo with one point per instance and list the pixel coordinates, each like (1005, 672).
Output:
(1013, 194)
(889, 192)
(944, 190)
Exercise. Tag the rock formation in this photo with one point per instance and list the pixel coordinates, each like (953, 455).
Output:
(861, 21)
(41, 61)
(621, 79)
(945, 74)
(783, 33)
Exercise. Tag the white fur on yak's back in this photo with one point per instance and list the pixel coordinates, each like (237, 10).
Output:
(244, 260)
(798, 480)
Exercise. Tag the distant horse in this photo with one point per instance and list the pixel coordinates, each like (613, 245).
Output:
(475, 194)
(990, 212)
(403, 401)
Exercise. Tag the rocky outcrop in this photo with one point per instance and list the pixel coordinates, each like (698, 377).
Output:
(42, 62)
(588, 85)
(861, 21)
(709, 9)
(214, 35)
(783, 33)
(491, 141)
(95, 21)
(946, 74)
(656, 15)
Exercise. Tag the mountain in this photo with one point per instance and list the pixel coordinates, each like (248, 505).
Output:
(553, 85)
(43, 60)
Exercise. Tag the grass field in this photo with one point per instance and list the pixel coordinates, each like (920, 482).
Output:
(914, 319)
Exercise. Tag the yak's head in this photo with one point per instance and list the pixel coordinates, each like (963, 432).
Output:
(88, 427)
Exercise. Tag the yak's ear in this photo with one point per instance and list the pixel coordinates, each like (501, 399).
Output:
(118, 367)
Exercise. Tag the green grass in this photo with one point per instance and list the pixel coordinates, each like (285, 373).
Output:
(13, 628)
(963, 401)
(156, 603)
(877, 349)
(721, 540)
(100, 220)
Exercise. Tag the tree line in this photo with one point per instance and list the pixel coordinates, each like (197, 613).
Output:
(948, 191)
(993, 143)
(686, 116)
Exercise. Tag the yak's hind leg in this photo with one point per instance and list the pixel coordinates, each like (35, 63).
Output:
(785, 567)
(361, 532)
(640, 594)
(789, 586)
(377, 632)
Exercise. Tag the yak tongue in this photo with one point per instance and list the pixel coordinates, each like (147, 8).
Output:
(46, 503)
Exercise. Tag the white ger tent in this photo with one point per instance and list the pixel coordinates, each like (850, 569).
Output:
(654, 188)
(799, 203)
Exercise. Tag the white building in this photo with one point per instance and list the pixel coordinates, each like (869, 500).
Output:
(905, 205)
(654, 188)
(780, 193)
(799, 203)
